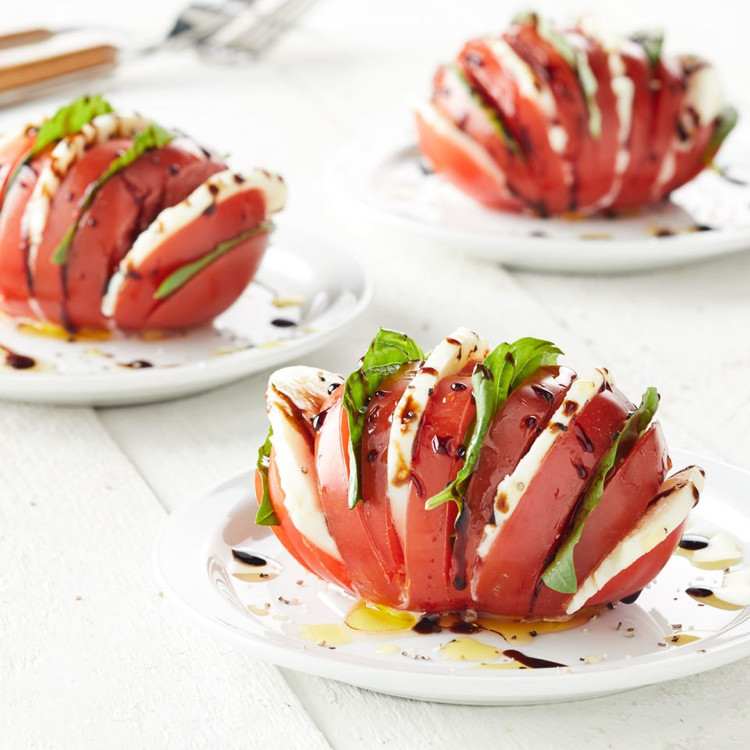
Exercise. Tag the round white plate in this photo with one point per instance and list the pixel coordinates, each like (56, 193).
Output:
(382, 173)
(305, 291)
(626, 647)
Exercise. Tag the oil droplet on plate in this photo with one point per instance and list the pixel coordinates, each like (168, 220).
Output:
(333, 634)
(378, 619)
(389, 649)
(710, 553)
(259, 611)
(258, 576)
(680, 639)
(525, 632)
(469, 649)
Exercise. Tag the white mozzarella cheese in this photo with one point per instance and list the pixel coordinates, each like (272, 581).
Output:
(678, 496)
(449, 357)
(512, 488)
(216, 189)
(294, 394)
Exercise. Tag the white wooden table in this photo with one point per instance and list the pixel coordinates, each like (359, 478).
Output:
(91, 653)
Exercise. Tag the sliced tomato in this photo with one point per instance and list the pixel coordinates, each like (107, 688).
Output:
(13, 154)
(312, 557)
(348, 526)
(15, 288)
(123, 208)
(507, 578)
(462, 161)
(545, 187)
(436, 460)
(632, 486)
(509, 437)
(64, 211)
(215, 287)
(374, 461)
(638, 575)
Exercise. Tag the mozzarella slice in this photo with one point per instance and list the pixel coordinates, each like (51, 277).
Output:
(677, 496)
(512, 488)
(216, 189)
(294, 395)
(62, 158)
(449, 357)
(446, 129)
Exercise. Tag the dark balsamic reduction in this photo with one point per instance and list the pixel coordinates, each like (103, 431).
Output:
(698, 593)
(457, 386)
(630, 599)
(693, 542)
(283, 323)
(248, 559)
(333, 387)
(530, 661)
(428, 624)
(442, 445)
(318, 419)
(530, 422)
(136, 364)
(582, 471)
(418, 486)
(540, 390)
(583, 439)
(18, 361)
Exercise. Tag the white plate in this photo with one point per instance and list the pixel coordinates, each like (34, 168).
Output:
(382, 174)
(303, 280)
(195, 566)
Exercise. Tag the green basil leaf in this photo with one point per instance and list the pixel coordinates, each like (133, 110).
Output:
(183, 274)
(70, 119)
(265, 515)
(491, 112)
(725, 122)
(652, 41)
(501, 372)
(560, 574)
(387, 353)
(154, 136)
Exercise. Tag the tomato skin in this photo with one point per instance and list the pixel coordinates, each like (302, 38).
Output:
(312, 557)
(636, 576)
(213, 289)
(14, 153)
(14, 271)
(515, 427)
(435, 462)
(123, 208)
(627, 493)
(507, 578)
(458, 166)
(348, 526)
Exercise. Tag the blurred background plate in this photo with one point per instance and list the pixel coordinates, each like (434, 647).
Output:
(382, 174)
(305, 292)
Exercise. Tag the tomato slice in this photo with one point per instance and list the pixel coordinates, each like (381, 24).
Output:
(528, 408)
(545, 187)
(436, 460)
(123, 208)
(14, 152)
(214, 288)
(506, 580)
(462, 161)
(374, 462)
(48, 277)
(348, 526)
(636, 576)
(309, 554)
(627, 493)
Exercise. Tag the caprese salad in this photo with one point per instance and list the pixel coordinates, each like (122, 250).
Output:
(110, 220)
(555, 119)
(471, 478)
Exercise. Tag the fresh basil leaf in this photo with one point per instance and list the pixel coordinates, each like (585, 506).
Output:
(560, 574)
(501, 372)
(491, 113)
(387, 353)
(70, 119)
(652, 41)
(154, 136)
(265, 515)
(183, 274)
(725, 122)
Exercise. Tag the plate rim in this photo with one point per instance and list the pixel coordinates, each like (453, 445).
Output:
(529, 686)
